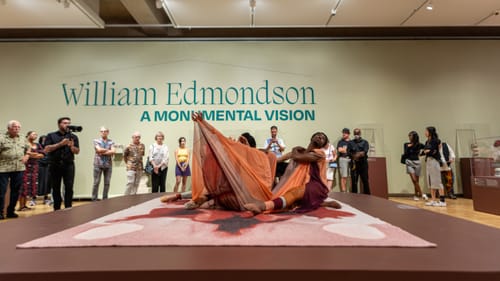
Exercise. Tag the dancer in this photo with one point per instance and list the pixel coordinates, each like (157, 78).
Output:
(233, 174)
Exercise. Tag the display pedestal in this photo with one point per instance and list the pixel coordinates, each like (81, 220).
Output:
(377, 176)
(474, 167)
(466, 176)
(486, 194)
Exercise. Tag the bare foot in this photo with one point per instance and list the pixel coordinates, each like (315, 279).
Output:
(191, 205)
(170, 198)
(256, 208)
(331, 204)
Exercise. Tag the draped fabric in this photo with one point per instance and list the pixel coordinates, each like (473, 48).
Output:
(235, 174)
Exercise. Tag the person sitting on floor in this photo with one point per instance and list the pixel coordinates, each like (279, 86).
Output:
(310, 190)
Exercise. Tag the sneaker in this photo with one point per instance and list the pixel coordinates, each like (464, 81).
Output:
(441, 204)
(24, 208)
(429, 203)
(424, 197)
(452, 196)
(48, 202)
(415, 198)
(32, 203)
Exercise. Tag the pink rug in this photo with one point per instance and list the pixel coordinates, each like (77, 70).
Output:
(156, 224)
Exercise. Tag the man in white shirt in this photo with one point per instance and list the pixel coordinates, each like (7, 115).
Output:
(277, 146)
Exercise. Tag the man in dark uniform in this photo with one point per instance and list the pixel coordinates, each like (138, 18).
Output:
(61, 147)
(359, 168)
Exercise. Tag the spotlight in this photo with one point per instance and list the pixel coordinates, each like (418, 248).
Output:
(429, 6)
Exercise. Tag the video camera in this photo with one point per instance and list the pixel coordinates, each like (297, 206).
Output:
(76, 129)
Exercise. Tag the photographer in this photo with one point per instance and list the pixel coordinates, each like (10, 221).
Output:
(61, 147)
(277, 146)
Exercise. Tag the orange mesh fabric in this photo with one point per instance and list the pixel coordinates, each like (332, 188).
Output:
(235, 174)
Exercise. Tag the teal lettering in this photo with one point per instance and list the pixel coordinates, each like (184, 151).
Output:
(248, 115)
(306, 90)
(270, 114)
(70, 94)
(310, 115)
(209, 116)
(211, 91)
(185, 115)
(278, 95)
(145, 117)
(289, 99)
(265, 88)
(173, 93)
(235, 95)
(160, 116)
(244, 90)
(230, 114)
(144, 92)
(257, 117)
(191, 90)
(124, 99)
(219, 115)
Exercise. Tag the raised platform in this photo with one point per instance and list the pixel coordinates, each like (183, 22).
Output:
(465, 251)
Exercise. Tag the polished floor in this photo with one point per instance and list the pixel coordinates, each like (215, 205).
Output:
(461, 208)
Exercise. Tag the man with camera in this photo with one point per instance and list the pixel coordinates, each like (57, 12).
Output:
(277, 146)
(61, 147)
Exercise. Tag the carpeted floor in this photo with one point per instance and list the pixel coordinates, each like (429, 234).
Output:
(157, 224)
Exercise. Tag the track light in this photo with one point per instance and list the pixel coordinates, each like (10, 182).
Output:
(429, 6)
(64, 2)
(253, 4)
(158, 4)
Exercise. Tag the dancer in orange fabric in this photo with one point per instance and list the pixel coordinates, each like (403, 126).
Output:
(234, 174)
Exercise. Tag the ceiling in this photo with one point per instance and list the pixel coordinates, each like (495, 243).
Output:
(255, 19)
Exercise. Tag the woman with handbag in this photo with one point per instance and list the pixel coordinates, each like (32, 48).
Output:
(433, 167)
(158, 158)
(411, 159)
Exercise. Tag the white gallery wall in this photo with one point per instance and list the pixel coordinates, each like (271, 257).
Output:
(386, 87)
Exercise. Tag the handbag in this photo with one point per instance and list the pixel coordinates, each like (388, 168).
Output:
(149, 167)
(403, 159)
